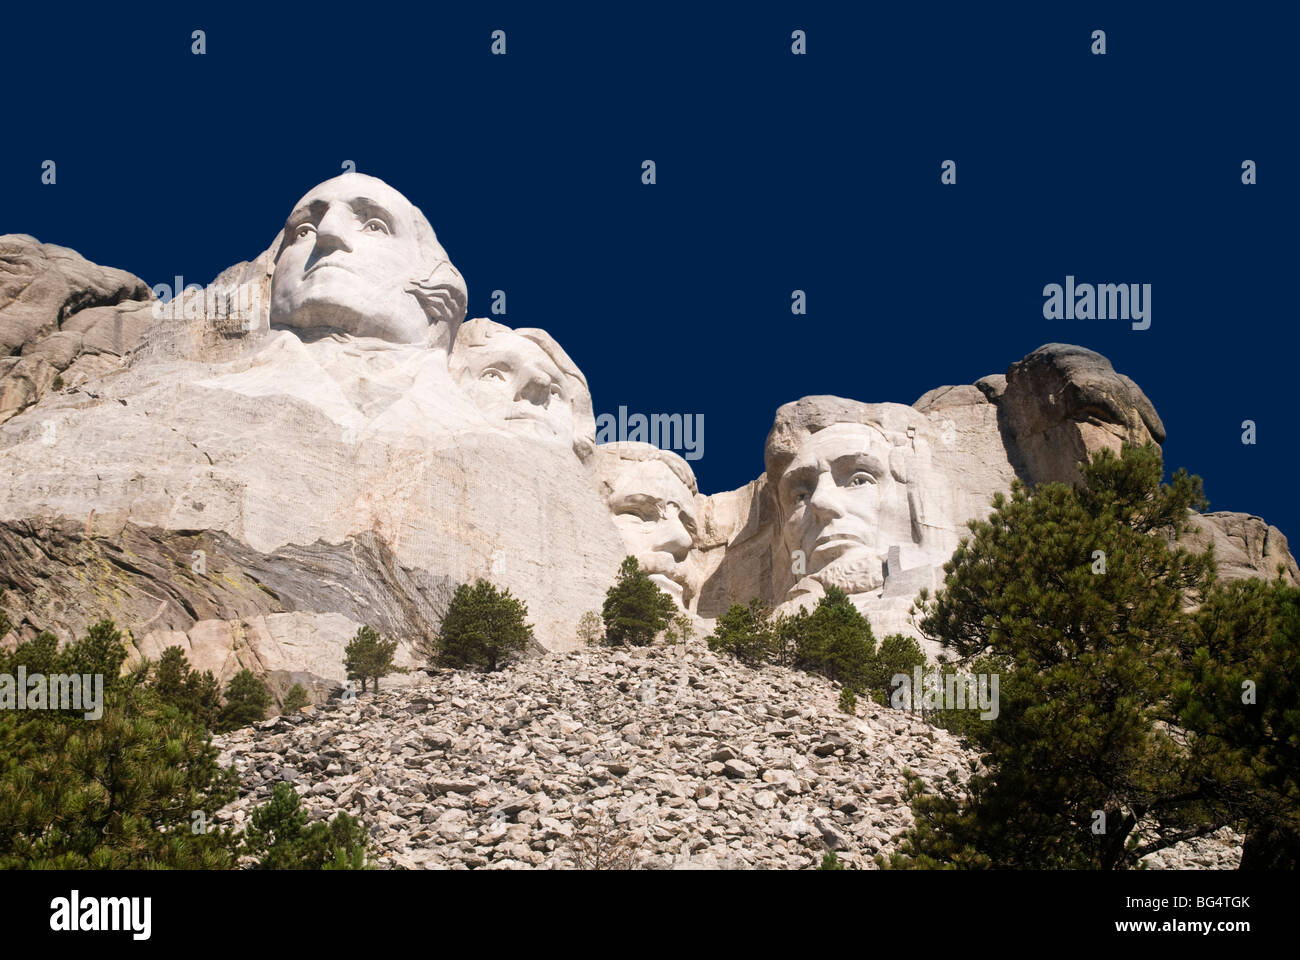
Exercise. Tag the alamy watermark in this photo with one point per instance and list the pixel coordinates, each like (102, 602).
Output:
(667, 431)
(947, 691)
(75, 913)
(56, 691)
(1103, 301)
(237, 303)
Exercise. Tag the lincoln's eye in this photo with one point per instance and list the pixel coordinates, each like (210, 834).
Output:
(861, 479)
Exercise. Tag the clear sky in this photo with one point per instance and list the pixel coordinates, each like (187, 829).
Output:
(775, 172)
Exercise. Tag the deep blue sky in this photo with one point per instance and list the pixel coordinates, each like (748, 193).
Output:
(775, 172)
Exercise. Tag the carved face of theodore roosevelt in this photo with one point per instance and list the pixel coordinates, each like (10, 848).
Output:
(357, 257)
(830, 496)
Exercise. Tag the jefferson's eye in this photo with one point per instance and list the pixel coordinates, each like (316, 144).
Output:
(304, 231)
(491, 373)
(556, 392)
(800, 498)
(375, 225)
(861, 479)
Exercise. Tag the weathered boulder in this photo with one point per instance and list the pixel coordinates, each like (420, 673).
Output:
(1244, 546)
(1063, 403)
(56, 306)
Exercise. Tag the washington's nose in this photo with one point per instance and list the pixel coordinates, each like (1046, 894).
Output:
(331, 233)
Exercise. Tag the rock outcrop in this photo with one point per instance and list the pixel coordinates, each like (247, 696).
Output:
(1063, 403)
(61, 317)
(1244, 546)
(321, 429)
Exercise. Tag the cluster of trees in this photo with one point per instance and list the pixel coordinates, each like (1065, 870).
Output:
(138, 786)
(834, 640)
(485, 627)
(1141, 700)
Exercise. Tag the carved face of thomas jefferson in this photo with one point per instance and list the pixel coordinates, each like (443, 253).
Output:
(357, 257)
(512, 379)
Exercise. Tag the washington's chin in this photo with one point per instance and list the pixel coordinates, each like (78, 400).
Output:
(345, 317)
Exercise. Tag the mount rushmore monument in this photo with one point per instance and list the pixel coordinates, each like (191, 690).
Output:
(331, 443)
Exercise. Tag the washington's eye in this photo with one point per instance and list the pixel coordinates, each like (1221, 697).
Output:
(375, 225)
(304, 231)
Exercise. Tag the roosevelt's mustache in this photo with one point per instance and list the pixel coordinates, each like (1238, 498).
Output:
(662, 563)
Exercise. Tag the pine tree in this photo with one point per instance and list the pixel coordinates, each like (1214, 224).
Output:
(635, 609)
(590, 630)
(247, 701)
(135, 788)
(681, 629)
(836, 640)
(296, 698)
(370, 656)
(280, 838)
(1240, 698)
(744, 632)
(197, 694)
(897, 654)
(1079, 752)
(484, 627)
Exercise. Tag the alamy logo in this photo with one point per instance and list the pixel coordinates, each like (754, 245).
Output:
(71, 914)
(667, 431)
(57, 691)
(241, 302)
(949, 691)
(1105, 301)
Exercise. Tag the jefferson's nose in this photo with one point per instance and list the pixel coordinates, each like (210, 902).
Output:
(535, 389)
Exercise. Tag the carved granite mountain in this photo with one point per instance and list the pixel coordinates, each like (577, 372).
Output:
(61, 316)
(255, 470)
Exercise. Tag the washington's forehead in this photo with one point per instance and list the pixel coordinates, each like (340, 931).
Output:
(357, 186)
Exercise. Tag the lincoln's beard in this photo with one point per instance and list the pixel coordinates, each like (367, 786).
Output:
(855, 572)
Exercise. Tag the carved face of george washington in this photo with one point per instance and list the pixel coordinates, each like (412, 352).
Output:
(357, 257)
